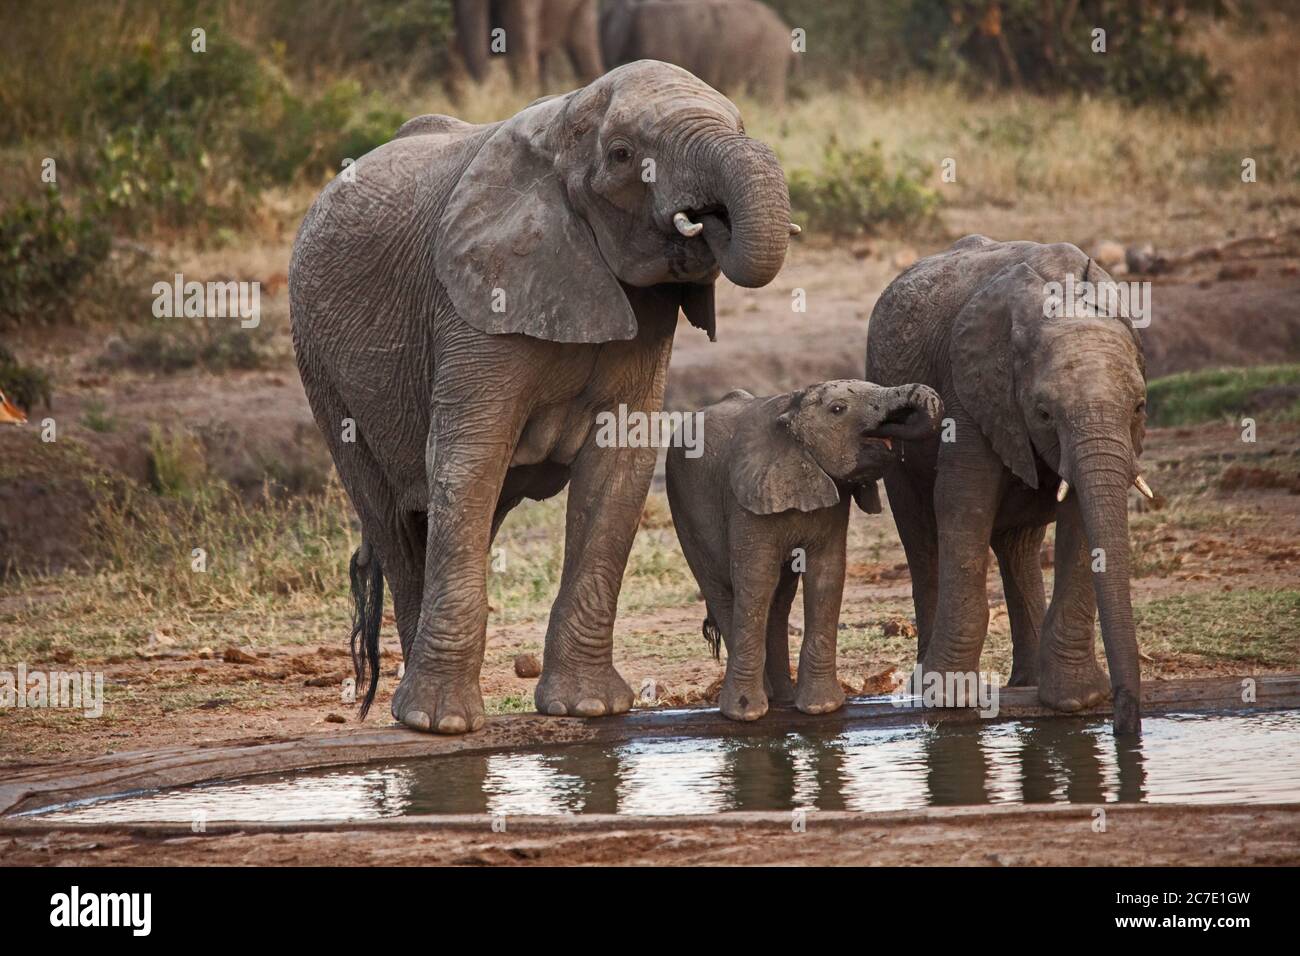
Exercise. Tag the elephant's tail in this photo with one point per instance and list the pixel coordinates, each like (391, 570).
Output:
(367, 576)
(713, 637)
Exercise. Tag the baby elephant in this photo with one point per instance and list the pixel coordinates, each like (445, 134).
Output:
(766, 500)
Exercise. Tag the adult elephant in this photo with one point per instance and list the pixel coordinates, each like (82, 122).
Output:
(737, 46)
(534, 30)
(465, 302)
(1048, 417)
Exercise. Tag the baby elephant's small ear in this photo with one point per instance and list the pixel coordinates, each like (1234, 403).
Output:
(771, 471)
(867, 495)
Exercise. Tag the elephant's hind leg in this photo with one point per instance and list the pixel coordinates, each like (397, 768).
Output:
(1017, 550)
(779, 686)
(913, 510)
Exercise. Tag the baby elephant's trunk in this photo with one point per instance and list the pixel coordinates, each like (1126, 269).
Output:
(913, 412)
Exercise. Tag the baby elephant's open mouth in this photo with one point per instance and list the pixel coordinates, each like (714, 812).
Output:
(869, 440)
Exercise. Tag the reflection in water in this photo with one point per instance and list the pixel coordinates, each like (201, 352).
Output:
(1204, 758)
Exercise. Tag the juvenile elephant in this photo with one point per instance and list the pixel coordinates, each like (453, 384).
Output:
(466, 303)
(533, 31)
(765, 501)
(737, 46)
(1047, 421)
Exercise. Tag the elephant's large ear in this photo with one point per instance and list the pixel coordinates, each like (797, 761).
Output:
(512, 253)
(770, 470)
(984, 355)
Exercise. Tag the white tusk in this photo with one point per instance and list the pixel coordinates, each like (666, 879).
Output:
(1141, 484)
(795, 229)
(685, 226)
(1062, 490)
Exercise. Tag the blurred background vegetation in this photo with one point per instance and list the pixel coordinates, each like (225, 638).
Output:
(151, 139)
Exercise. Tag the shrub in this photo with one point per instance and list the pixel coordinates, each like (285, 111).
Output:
(24, 385)
(45, 255)
(172, 345)
(854, 192)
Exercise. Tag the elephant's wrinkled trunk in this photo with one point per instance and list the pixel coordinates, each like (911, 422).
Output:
(747, 180)
(913, 412)
(1102, 472)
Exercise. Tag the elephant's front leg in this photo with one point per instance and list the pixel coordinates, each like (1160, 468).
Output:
(818, 689)
(607, 493)
(756, 565)
(468, 453)
(967, 490)
(1069, 677)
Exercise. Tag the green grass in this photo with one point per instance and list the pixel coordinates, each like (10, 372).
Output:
(1270, 392)
(1252, 627)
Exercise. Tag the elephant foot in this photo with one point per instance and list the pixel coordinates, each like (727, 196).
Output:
(589, 692)
(437, 704)
(819, 695)
(742, 701)
(1072, 687)
(1023, 675)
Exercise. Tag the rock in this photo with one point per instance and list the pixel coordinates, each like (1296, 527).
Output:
(328, 680)
(1141, 258)
(233, 655)
(159, 639)
(1236, 271)
(527, 666)
(206, 654)
(335, 719)
(898, 628)
(349, 692)
(885, 682)
(1110, 255)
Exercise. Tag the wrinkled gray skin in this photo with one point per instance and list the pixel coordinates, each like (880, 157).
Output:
(776, 474)
(1034, 400)
(534, 31)
(738, 46)
(463, 411)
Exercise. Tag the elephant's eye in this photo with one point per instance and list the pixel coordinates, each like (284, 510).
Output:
(838, 408)
(1043, 414)
(1141, 408)
(620, 154)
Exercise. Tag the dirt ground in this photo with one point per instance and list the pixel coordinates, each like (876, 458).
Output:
(1157, 835)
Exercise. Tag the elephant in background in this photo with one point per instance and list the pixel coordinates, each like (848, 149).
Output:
(737, 46)
(1048, 418)
(466, 303)
(766, 502)
(534, 30)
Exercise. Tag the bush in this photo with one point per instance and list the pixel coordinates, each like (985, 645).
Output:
(1039, 44)
(45, 255)
(196, 136)
(176, 344)
(854, 192)
(24, 385)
